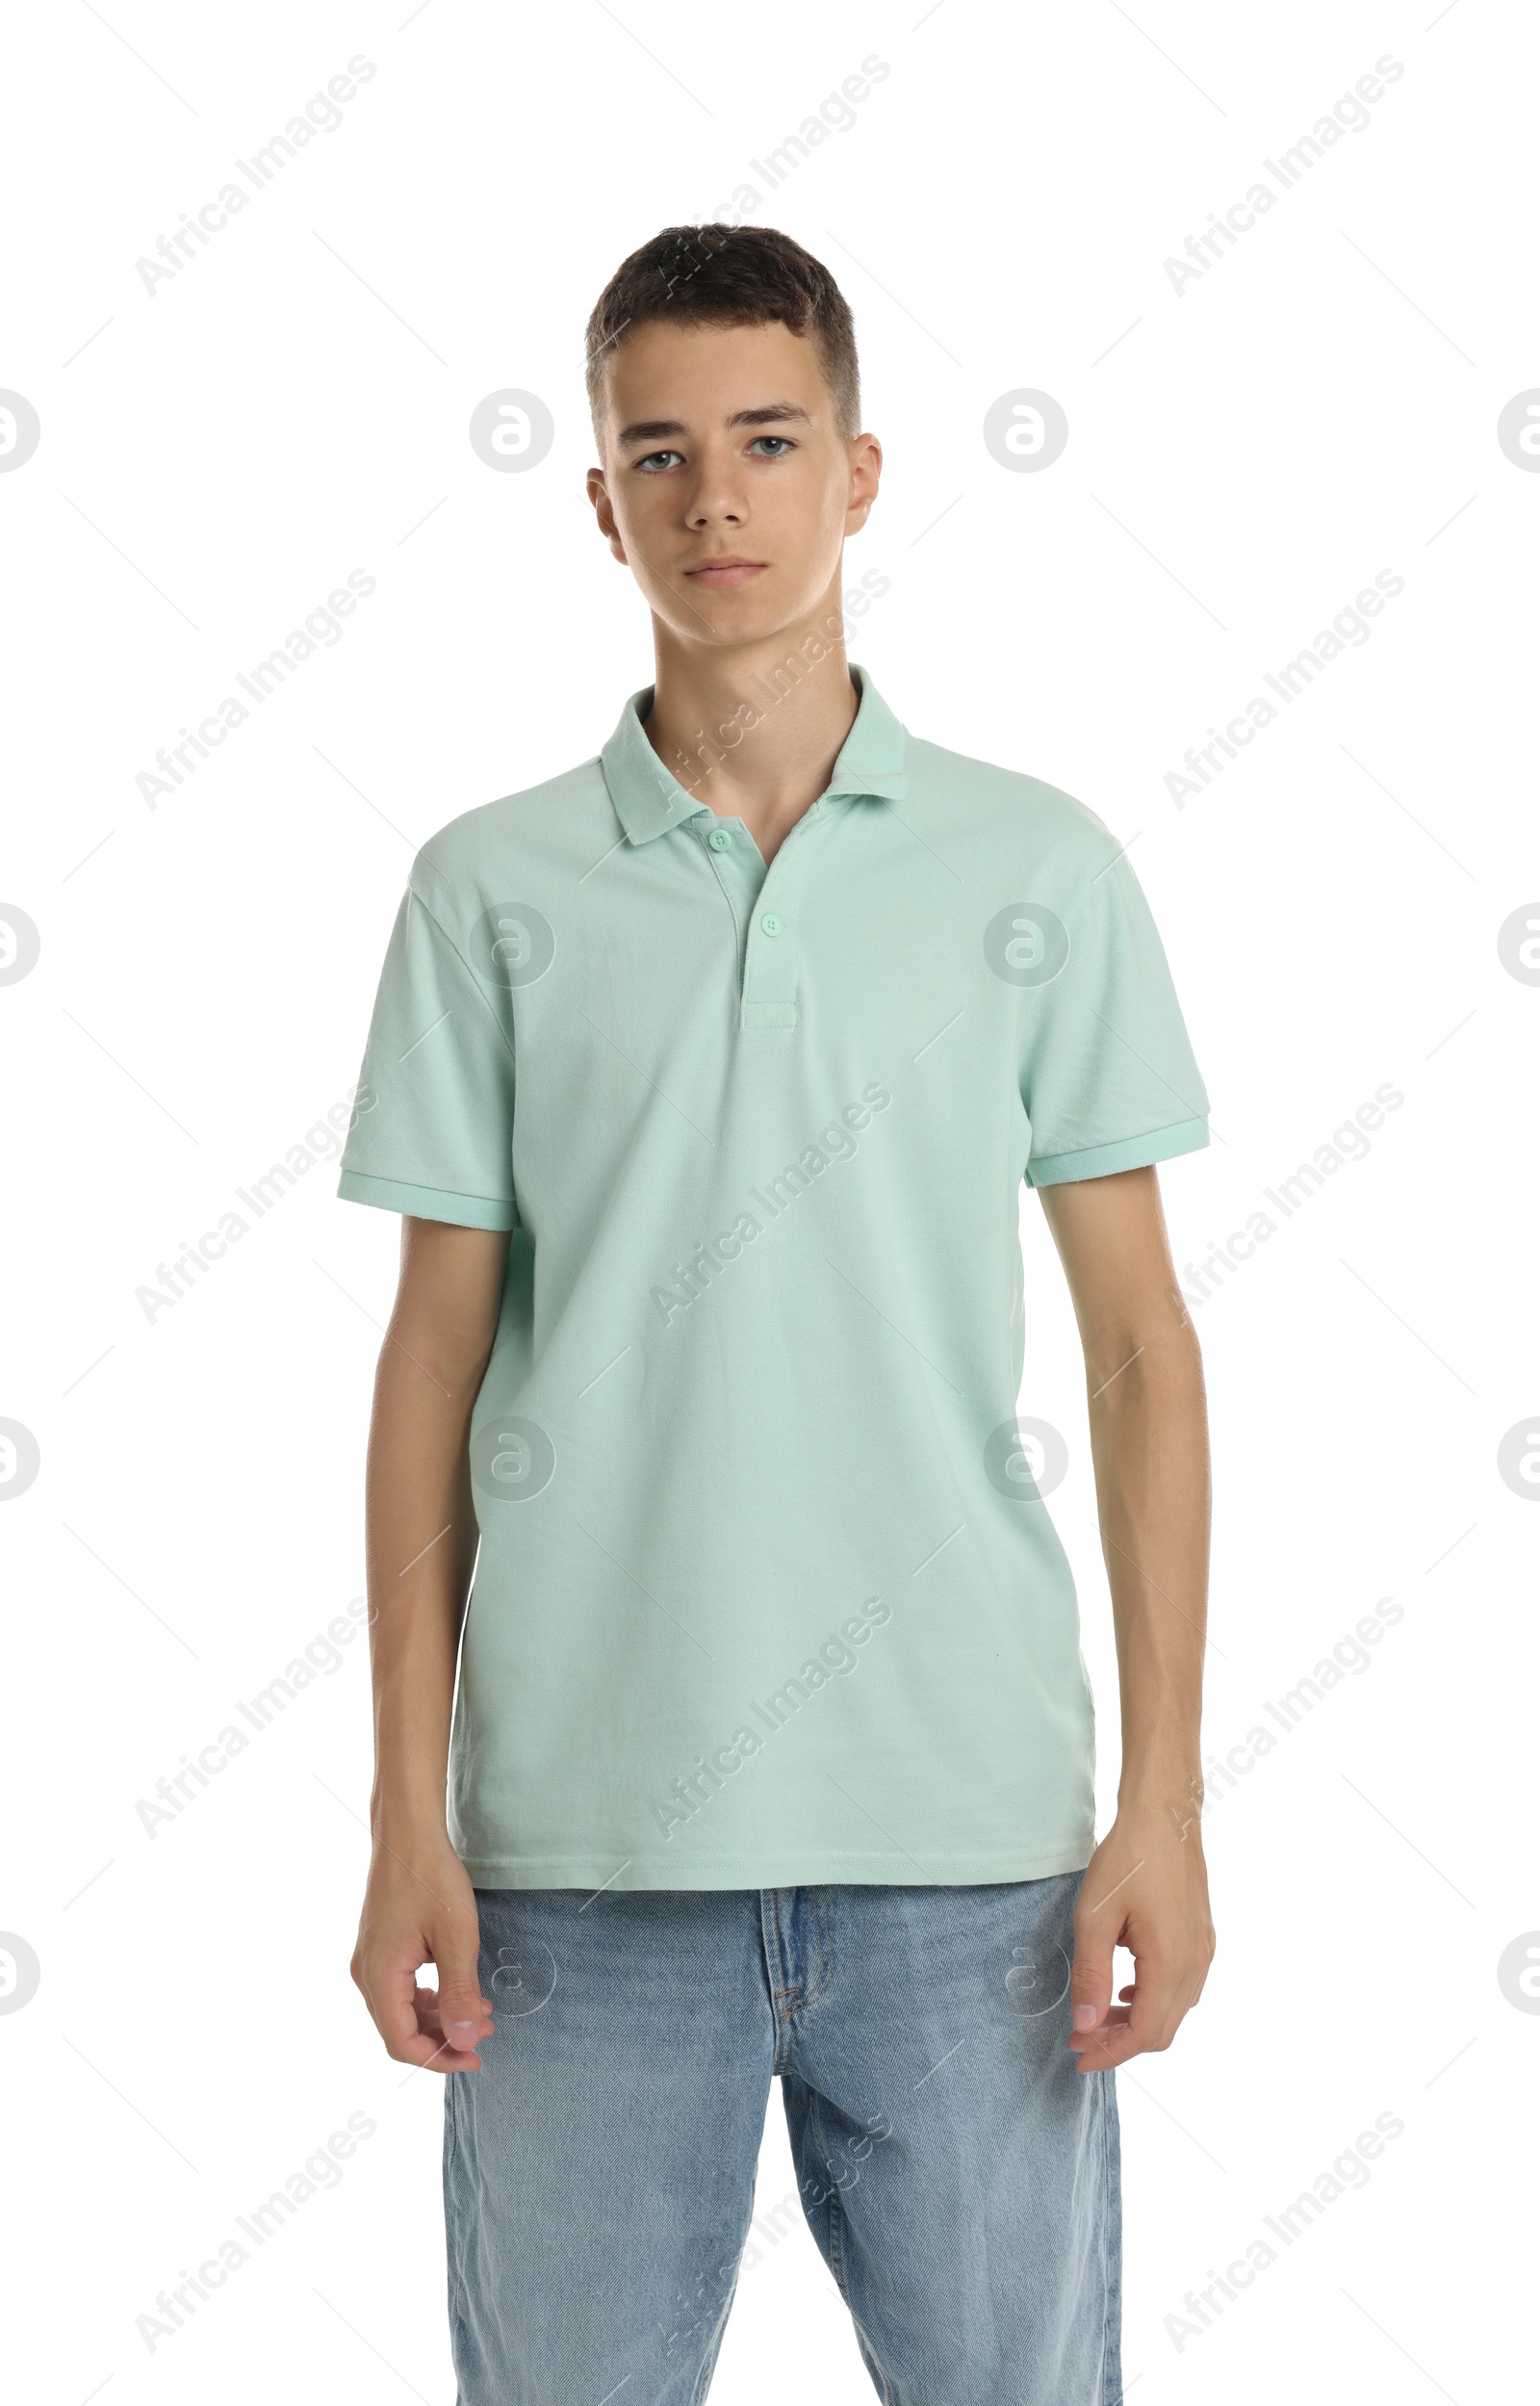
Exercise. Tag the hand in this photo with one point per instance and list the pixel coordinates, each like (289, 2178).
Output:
(1145, 1888)
(418, 1911)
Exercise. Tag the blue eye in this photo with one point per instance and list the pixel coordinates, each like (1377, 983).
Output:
(658, 463)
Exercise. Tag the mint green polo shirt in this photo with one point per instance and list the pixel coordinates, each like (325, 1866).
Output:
(767, 1591)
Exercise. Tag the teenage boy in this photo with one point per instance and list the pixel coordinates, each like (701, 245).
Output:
(706, 1077)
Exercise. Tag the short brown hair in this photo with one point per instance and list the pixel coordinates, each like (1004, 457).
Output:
(728, 275)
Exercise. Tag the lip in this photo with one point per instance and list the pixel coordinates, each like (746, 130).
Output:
(725, 570)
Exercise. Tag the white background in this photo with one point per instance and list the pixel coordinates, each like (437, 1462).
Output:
(1243, 457)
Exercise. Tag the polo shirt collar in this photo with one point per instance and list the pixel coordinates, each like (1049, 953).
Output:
(649, 800)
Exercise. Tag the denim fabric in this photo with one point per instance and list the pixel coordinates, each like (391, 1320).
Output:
(960, 2177)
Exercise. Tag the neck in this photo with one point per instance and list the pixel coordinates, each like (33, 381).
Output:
(754, 729)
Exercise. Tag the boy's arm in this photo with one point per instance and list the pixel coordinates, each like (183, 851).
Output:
(1147, 1886)
(419, 1906)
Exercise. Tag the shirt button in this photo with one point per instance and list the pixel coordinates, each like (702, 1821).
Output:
(719, 840)
(770, 923)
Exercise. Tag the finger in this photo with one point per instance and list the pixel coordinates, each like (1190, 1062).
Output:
(407, 2016)
(389, 1984)
(1157, 2005)
(444, 2053)
(430, 2053)
(1145, 2028)
(462, 2012)
(1090, 1976)
(1095, 2041)
(437, 2054)
(1120, 2046)
(1107, 2053)
(430, 2020)
(1101, 2050)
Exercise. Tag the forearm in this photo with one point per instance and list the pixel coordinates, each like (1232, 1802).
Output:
(1149, 1446)
(420, 1548)
(419, 1906)
(1146, 1886)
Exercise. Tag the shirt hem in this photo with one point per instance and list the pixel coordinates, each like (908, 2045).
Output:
(817, 1868)
(428, 1203)
(1131, 1152)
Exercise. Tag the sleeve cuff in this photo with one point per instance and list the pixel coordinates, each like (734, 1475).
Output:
(1134, 1153)
(430, 1202)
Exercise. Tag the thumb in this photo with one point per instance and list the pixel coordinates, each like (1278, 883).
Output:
(460, 2008)
(1091, 1978)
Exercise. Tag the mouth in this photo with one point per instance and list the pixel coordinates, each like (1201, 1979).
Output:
(724, 571)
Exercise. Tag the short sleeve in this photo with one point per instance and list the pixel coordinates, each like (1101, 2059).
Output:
(1108, 1078)
(432, 1123)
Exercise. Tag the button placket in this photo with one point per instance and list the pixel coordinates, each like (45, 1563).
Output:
(771, 956)
(735, 863)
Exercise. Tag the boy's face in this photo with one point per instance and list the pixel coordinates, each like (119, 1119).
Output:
(720, 446)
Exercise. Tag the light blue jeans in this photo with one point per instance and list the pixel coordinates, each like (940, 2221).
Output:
(959, 2175)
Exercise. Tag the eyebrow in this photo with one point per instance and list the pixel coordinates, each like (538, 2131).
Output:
(653, 429)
